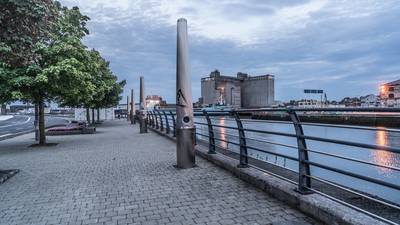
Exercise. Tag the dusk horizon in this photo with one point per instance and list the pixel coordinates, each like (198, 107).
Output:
(347, 49)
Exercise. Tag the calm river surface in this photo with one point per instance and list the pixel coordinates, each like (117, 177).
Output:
(387, 138)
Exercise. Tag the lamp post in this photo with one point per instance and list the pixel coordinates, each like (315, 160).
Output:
(143, 124)
(185, 130)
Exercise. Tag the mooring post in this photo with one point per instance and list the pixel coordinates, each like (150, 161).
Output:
(185, 130)
(143, 124)
(132, 113)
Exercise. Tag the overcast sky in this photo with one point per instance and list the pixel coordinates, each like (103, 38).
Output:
(347, 48)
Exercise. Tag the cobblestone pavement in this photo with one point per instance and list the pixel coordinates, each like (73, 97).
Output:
(118, 176)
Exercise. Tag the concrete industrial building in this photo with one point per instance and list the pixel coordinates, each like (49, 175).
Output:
(242, 91)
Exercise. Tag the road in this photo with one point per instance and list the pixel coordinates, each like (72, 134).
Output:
(20, 124)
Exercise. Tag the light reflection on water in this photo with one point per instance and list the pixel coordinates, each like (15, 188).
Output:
(222, 136)
(384, 157)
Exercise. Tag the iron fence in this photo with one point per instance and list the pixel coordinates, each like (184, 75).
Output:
(164, 120)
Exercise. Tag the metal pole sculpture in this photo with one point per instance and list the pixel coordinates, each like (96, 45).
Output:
(127, 107)
(143, 124)
(132, 113)
(185, 130)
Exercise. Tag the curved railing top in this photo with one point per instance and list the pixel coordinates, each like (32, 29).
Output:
(338, 109)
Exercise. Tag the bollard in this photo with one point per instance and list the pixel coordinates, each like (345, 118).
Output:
(143, 124)
(185, 131)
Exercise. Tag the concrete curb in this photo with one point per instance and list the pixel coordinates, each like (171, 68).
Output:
(25, 132)
(314, 205)
(16, 134)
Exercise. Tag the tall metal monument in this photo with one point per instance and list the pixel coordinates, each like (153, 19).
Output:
(132, 113)
(185, 130)
(127, 107)
(143, 124)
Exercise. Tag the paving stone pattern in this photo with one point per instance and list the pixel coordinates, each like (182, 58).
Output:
(118, 176)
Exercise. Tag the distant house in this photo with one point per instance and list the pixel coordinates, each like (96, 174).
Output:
(351, 102)
(370, 100)
(154, 101)
(390, 94)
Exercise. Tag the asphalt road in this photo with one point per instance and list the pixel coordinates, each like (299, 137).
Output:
(20, 124)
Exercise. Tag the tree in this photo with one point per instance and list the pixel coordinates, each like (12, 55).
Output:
(50, 62)
(42, 58)
(24, 24)
(108, 90)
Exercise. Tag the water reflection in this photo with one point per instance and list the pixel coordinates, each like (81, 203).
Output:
(222, 134)
(383, 157)
(381, 137)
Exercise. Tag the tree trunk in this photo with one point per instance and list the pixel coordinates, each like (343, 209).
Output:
(98, 115)
(42, 135)
(93, 116)
(36, 122)
(3, 109)
(88, 115)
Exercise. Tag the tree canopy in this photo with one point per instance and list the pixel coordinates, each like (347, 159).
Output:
(42, 58)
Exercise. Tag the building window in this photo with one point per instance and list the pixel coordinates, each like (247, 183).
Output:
(391, 88)
(391, 96)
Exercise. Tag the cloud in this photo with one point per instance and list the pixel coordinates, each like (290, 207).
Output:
(345, 47)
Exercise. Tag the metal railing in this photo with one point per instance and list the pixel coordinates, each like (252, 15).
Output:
(160, 119)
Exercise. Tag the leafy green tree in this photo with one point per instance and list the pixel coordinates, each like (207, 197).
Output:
(24, 24)
(108, 90)
(54, 66)
(42, 58)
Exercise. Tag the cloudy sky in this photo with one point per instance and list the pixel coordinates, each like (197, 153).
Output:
(347, 48)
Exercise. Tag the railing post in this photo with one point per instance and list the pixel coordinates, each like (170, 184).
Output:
(153, 122)
(173, 124)
(155, 116)
(304, 168)
(150, 118)
(242, 141)
(211, 139)
(161, 121)
(166, 122)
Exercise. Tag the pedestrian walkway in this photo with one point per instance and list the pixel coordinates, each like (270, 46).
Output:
(118, 176)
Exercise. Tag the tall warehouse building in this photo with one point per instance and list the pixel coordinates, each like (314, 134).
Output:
(242, 91)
